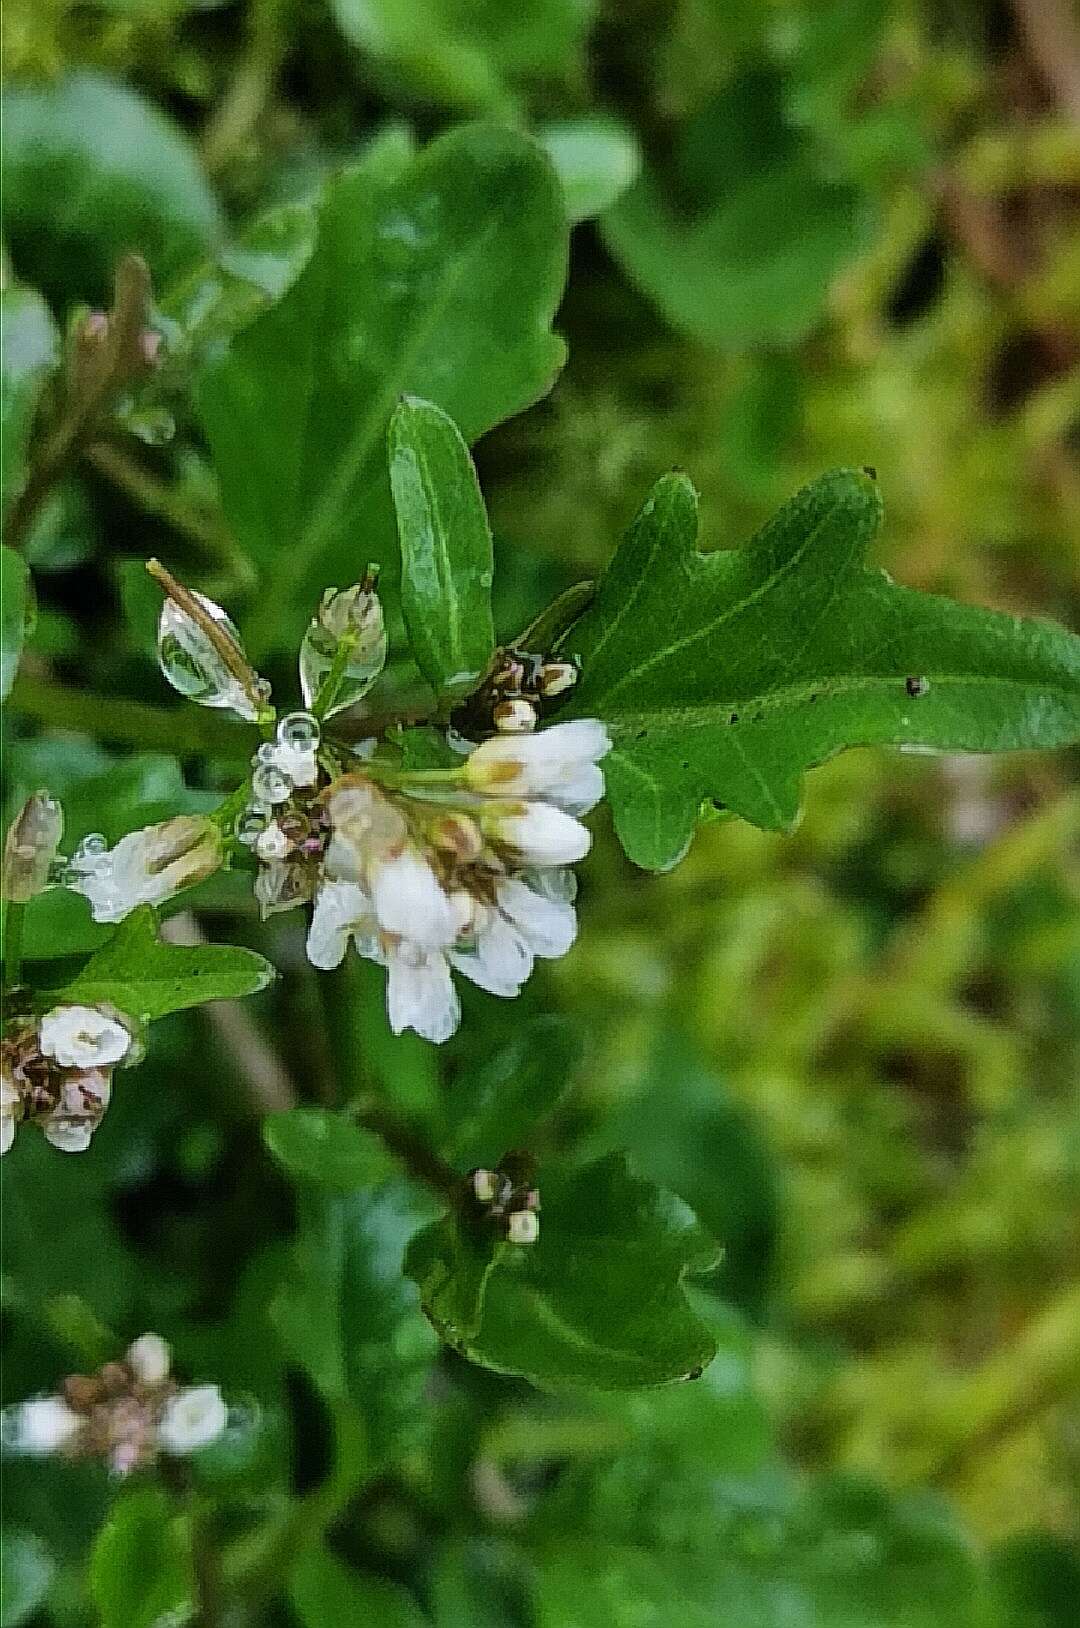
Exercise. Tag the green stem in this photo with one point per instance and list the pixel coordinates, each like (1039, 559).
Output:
(13, 940)
(182, 730)
(326, 694)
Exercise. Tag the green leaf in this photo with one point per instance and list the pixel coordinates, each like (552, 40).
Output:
(468, 56)
(1038, 1580)
(447, 559)
(326, 1593)
(346, 1304)
(497, 1106)
(26, 1571)
(436, 277)
(726, 675)
(139, 975)
(91, 171)
(29, 350)
(140, 1565)
(326, 1148)
(218, 297)
(740, 243)
(16, 615)
(595, 157)
(598, 1300)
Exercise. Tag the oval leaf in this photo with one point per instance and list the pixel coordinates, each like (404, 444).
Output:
(447, 557)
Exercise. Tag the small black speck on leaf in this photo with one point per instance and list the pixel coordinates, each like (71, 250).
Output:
(734, 718)
(916, 687)
(869, 469)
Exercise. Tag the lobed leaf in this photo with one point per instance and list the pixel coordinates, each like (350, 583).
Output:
(726, 675)
(139, 975)
(597, 1300)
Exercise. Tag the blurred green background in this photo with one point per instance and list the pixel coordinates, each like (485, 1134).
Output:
(807, 234)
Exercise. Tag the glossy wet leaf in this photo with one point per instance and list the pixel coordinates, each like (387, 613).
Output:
(436, 276)
(597, 1300)
(146, 978)
(726, 675)
(29, 350)
(740, 241)
(16, 614)
(141, 1569)
(447, 558)
(505, 1102)
(91, 171)
(345, 1304)
(329, 1149)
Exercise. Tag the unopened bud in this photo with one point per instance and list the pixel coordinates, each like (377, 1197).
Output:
(522, 1227)
(458, 835)
(556, 677)
(347, 632)
(30, 848)
(149, 1359)
(147, 866)
(201, 655)
(485, 1186)
(514, 717)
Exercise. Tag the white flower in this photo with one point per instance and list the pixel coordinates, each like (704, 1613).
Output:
(147, 866)
(342, 911)
(559, 764)
(43, 1425)
(192, 1419)
(297, 763)
(420, 992)
(410, 900)
(149, 1359)
(523, 1227)
(538, 833)
(499, 960)
(272, 843)
(84, 1098)
(82, 1037)
(10, 1110)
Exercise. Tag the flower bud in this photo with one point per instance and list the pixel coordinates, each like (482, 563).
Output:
(83, 1037)
(205, 670)
(41, 1426)
(522, 1227)
(10, 1111)
(347, 627)
(556, 677)
(536, 833)
(30, 848)
(149, 1359)
(514, 717)
(147, 866)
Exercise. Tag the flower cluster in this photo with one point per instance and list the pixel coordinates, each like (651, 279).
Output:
(56, 1072)
(125, 1415)
(469, 875)
(507, 1199)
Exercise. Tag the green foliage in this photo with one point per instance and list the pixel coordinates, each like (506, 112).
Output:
(724, 675)
(141, 1565)
(436, 276)
(29, 354)
(328, 1149)
(91, 169)
(139, 975)
(16, 614)
(447, 561)
(26, 1570)
(598, 1300)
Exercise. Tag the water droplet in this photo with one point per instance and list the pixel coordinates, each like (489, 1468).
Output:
(267, 753)
(90, 846)
(270, 785)
(299, 730)
(250, 825)
(191, 664)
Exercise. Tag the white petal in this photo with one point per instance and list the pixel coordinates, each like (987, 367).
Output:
(557, 764)
(7, 1130)
(420, 993)
(82, 1037)
(69, 1135)
(341, 909)
(540, 834)
(501, 960)
(192, 1419)
(43, 1425)
(548, 925)
(411, 901)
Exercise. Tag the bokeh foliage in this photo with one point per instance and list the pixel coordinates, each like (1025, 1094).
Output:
(807, 234)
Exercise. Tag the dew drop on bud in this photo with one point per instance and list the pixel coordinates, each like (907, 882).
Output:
(300, 731)
(270, 785)
(191, 664)
(250, 825)
(355, 615)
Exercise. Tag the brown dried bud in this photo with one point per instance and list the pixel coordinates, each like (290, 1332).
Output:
(30, 848)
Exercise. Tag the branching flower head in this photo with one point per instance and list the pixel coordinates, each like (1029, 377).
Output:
(57, 1073)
